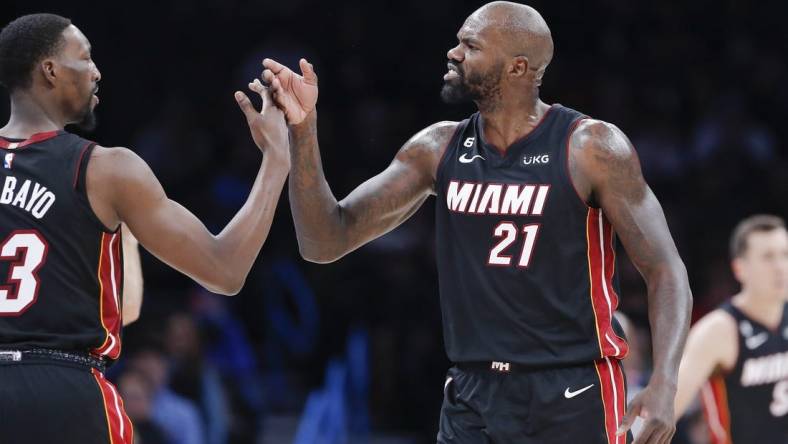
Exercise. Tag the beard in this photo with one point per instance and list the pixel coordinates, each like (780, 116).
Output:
(473, 87)
(88, 120)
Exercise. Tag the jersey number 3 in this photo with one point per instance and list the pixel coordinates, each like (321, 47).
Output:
(28, 251)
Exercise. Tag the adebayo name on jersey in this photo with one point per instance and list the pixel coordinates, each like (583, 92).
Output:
(29, 196)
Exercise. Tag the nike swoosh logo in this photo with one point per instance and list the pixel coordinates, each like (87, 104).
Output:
(464, 159)
(569, 395)
(756, 341)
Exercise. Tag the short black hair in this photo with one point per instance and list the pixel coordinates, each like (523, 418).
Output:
(24, 42)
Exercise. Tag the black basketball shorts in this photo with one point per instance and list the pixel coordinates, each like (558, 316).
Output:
(54, 402)
(498, 403)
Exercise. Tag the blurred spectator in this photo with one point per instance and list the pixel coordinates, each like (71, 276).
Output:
(137, 393)
(177, 416)
(195, 378)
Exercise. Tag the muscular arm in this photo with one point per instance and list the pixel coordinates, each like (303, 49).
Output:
(122, 188)
(328, 229)
(220, 263)
(132, 277)
(606, 170)
(711, 346)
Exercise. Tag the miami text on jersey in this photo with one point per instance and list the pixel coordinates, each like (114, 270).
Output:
(496, 198)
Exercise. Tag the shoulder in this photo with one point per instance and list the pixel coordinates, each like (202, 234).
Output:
(717, 334)
(116, 160)
(118, 168)
(601, 159)
(598, 139)
(432, 139)
(717, 321)
(425, 149)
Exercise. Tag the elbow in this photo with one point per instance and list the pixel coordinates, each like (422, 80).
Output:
(225, 283)
(316, 256)
(230, 287)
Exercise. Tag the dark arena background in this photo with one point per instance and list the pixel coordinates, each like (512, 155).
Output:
(352, 351)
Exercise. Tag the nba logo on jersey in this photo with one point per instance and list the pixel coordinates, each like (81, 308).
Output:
(9, 159)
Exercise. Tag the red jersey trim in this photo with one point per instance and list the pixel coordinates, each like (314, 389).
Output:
(613, 393)
(110, 308)
(119, 426)
(714, 397)
(38, 137)
(601, 268)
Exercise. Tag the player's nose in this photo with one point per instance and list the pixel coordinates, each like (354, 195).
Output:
(96, 74)
(454, 54)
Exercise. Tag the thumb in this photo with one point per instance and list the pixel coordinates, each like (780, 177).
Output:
(245, 104)
(629, 417)
(308, 71)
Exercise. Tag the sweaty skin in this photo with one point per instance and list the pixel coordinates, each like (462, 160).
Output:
(603, 166)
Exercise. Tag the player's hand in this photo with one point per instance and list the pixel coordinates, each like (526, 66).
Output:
(268, 127)
(294, 94)
(655, 405)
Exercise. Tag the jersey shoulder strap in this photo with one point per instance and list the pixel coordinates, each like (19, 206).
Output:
(453, 145)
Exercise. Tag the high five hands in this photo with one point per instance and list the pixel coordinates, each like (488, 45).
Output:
(294, 94)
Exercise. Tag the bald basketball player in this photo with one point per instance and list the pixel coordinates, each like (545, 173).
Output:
(531, 198)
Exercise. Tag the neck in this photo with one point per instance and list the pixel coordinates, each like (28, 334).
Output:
(511, 119)
(30, 116)
(765, 309)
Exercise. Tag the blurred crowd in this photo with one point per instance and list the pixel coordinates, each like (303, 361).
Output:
(697, 86)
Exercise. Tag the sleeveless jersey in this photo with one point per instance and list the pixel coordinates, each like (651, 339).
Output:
(749, 404)
(61, 270)
(525, 267)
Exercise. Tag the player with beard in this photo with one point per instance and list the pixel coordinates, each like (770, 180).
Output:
(62, 201)
(531, 198)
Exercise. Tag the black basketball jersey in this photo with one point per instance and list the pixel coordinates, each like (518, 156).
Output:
(749, 404)
(526, 268)
(64, 268)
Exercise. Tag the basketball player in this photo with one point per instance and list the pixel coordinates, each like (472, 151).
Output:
(61, 203)
(530, 199)
(737, 355)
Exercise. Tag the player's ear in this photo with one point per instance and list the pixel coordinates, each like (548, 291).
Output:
(48, 69)
(737, 266)
(519, 66)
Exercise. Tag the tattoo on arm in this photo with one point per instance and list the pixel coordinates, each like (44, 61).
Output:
(326, 228)
(605, 167)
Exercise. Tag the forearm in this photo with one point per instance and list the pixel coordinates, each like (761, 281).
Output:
(669, 307)
(239, 243)
(316, 213)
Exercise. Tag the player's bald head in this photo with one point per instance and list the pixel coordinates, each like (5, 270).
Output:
(521, 30)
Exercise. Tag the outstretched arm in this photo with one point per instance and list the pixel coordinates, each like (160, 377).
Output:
(121, 187)
(605, 169)
(328, 229)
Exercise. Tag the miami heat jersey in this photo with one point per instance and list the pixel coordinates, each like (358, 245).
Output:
(526, 268)
(749, 404)
(63, 269)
